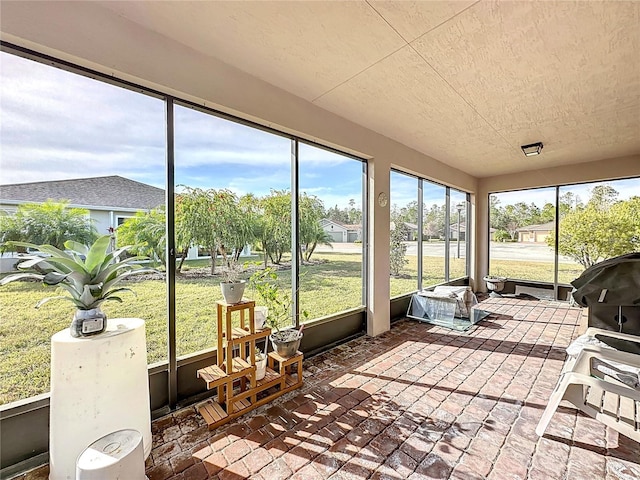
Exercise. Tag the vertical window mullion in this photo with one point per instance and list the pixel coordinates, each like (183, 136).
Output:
(295, 225)
(467, 232)
(556, 255)
(419, 234)
(447, 234)
(170, 256)
(365, 235)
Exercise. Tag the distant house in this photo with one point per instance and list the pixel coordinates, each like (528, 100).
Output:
(110, 200)
(453, 231)
(341, 232)
(535, 233)
(411, 230)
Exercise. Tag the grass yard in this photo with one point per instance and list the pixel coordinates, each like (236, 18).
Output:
(325, 288)
(433, 274)
(25, 332)
(537, 271)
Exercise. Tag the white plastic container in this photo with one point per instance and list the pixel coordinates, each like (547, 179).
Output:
(117, 456)
(260, 317)
(99, 385)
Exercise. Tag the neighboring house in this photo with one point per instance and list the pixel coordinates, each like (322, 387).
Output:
(110, 200)
(411, 230)
(535, 233)
(453, 231)
(341, 232)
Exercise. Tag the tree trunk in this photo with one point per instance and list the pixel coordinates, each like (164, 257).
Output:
(183, 256)
(311, 250)
(213, 252)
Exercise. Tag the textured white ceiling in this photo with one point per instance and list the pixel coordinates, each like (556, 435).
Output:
(464, 82)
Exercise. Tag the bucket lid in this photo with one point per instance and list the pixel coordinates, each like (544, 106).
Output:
(109, 449)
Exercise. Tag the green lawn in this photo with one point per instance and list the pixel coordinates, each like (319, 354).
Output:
(326, 288)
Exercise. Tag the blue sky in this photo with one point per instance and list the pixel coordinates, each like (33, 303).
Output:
(404, 190)
(56, 125)
(539, 196)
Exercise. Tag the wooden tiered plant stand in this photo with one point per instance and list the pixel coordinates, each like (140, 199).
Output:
(234, 373)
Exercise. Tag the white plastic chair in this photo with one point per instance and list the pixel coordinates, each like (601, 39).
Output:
(597, 394)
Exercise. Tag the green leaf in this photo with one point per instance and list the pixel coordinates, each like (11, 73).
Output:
(53, 251)
(20, 276)
(77, 247)
(65, 265)
(54, 278)
(48, 299)
(87, 297)
(97, 253)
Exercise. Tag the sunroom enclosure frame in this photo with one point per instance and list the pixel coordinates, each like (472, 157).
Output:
(229, 91)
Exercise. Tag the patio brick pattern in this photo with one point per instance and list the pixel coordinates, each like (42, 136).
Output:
(418, 402)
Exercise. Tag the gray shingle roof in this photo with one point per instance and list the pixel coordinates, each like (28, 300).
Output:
(113, 191)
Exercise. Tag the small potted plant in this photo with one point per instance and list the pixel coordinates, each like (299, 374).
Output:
(88, 274)
(261, 364)
(231, 286)
(285, 342)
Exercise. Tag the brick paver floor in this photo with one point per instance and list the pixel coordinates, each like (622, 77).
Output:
(418, 402)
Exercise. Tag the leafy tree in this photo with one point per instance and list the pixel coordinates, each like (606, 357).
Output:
(276, 225)
(501, 235)
(603, 196)
(251, 209)
(50, 223)
(397, 247)
(568, 202)
(602, 229)
(408, 213)
(146, 233)
(433, 221)
(338, 215)
(547, 214)
(355, 214)
(311, 232)
(585, 235)
(512, 217)
(625, 224)
(214, 220)
(183, 233)
(494, 211)
(348, 216)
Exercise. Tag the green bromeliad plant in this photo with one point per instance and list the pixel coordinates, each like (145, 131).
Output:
(89, 274)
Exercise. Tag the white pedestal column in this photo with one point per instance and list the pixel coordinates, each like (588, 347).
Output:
(99, 385)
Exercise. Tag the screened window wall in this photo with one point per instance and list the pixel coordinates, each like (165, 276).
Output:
(428, 243)
(232, 211)
(458, 208)
(522, 225)
(90, 137)
(434, 238)
(232, 194)
(331, 232)
(596, 221)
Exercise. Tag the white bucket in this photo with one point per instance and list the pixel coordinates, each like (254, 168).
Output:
(118, 455)
(260, 317)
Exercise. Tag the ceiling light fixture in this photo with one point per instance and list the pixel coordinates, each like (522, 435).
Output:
(533, 149)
